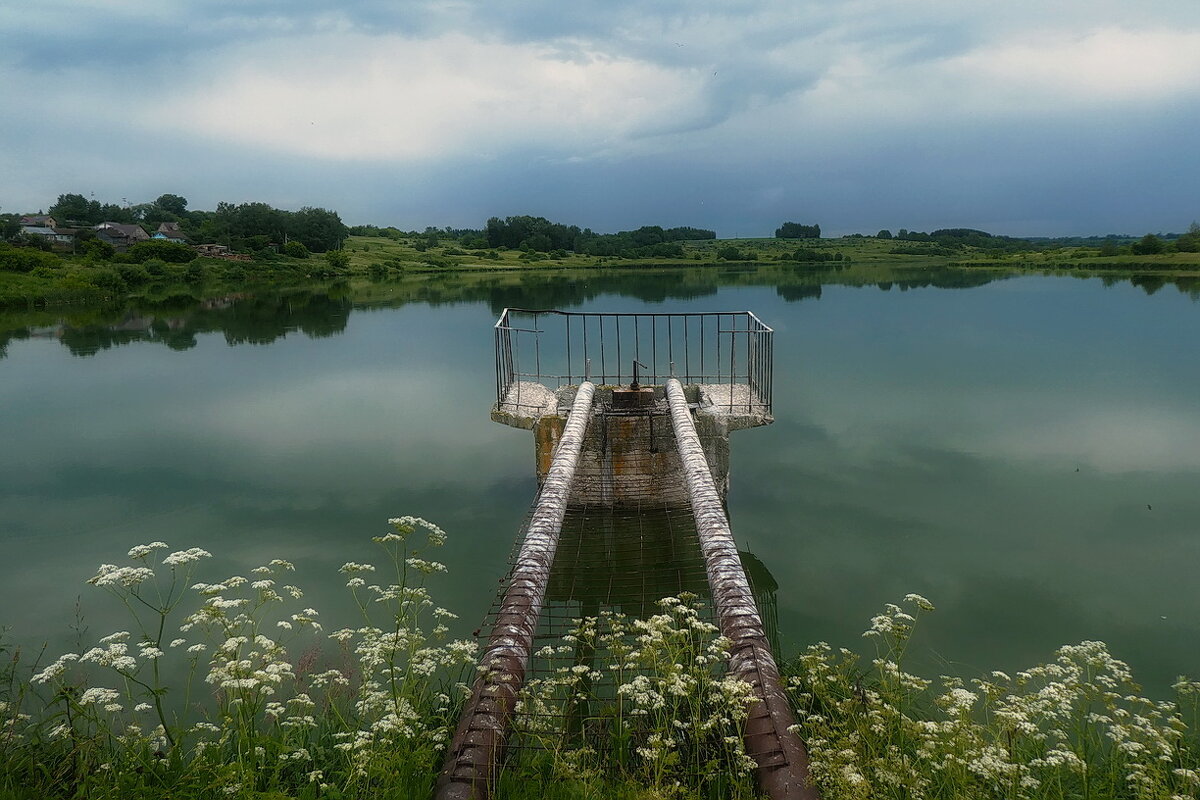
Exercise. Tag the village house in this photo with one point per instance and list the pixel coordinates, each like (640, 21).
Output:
(169, 231)
(38, 221)
(57, 236)
(121, 236)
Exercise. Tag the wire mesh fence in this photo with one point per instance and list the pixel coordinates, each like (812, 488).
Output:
(553, 348)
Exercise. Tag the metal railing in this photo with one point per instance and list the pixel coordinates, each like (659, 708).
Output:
(733, 349)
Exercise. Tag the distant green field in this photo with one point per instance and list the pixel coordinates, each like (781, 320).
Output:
(366, 251)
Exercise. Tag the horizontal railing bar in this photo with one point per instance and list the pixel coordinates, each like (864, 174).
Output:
(681, 314)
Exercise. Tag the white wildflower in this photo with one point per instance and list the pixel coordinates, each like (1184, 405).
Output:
(192, 554)
(143, 550)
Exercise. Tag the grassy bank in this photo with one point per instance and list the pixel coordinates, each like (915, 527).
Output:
(1085, 259)
(68, 280)
(235, 688)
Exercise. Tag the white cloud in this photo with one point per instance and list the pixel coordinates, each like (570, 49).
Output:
(1101, 65)
(1059, 71)
(358, 97)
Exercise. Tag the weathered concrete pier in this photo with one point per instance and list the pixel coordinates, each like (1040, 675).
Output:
(631, 415)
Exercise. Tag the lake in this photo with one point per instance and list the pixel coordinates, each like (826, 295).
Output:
(1022, 450)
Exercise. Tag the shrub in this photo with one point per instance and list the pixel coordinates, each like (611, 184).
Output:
(108, 279)
(337, 259)
(97, 250)
(26, 259)
(133, 274)
(296, 249)
(170, 252)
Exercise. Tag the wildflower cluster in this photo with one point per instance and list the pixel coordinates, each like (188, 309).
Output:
(644, 699)
(1075, 727)
(252, 717)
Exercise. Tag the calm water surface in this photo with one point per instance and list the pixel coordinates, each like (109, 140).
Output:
(1024, 452)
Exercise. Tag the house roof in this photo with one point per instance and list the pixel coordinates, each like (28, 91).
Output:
(35, 219)
(168, 227)
(36, 230)
(130, 231)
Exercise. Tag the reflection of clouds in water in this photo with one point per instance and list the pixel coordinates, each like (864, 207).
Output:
(1123, 433)
(1113, 439)
(1021, 554)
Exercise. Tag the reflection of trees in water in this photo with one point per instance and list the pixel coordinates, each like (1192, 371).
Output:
(8, 336)
(1189, 286)
(177, 321)
(243, 320)
(898, 278)
(793, 292)
(569, 290)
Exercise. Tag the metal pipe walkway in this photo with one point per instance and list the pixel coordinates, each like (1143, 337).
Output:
(630, 510)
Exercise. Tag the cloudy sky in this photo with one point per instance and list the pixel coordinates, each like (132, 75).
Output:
(1022, 117)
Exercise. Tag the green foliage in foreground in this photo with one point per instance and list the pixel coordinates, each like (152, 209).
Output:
(1075, 727)
(261, 714)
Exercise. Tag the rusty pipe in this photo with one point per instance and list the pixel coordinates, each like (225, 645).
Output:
(783, 772)
(477, 748)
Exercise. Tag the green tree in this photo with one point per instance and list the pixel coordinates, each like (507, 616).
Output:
(794, 230)
(884, 234)
(337, 259)
(172, 204)
(319, 229)
(1190, 241)
(10, 226)
(1148, 245)
(76, 208)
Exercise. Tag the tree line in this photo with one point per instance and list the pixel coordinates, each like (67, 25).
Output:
(243, 226)
(794, 230)
(539, 234)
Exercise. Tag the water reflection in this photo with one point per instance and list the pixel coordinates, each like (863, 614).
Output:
(264, 317)
(242, 318)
